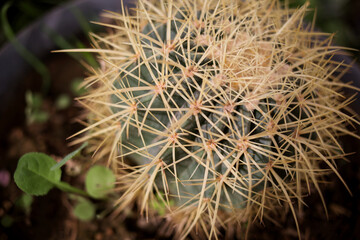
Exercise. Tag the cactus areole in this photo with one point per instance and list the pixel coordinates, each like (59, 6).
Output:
(222, 108)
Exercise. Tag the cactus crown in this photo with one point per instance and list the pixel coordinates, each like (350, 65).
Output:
(224, 107)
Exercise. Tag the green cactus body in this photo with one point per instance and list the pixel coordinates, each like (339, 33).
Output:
(220, 106)
(214, 127)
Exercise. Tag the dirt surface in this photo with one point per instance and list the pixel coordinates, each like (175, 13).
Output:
(51, 216)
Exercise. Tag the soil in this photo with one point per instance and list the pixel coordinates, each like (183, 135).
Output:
(51, 216)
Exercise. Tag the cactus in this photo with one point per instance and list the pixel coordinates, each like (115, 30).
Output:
(220, 109)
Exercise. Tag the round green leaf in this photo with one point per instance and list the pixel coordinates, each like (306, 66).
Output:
(33, 174)
(84, 210)
(63, 101)
(99, 180)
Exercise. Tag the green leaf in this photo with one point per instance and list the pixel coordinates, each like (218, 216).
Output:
(33, 174)
(39, 117)
(33, 100)
(33, 111)
(84, 210)
(99, 180)
(76, 87)
(159, 204)
(63, 101)
(24, 202)
(68, 157)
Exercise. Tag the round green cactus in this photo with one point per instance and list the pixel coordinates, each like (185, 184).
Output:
(220, 109)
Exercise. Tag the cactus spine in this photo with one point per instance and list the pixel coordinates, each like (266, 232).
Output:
(223, 107)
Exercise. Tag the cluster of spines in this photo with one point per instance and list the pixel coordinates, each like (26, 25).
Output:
(268, 87)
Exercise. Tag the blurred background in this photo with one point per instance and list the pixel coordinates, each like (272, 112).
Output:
(339, 16)
(23, 12)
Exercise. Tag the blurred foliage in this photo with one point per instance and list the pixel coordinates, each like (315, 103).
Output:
(339, 16)
(23, 12)
(34, 112)
(336, 16)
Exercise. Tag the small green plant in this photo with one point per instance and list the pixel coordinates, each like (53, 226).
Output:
(99, 181)
(158, 204)
(63, 101)
(76, 87)
(37, 173)
(24, 202)
(33, 111)
(84, 209)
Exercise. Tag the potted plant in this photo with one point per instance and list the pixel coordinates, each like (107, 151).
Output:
(213, 114)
